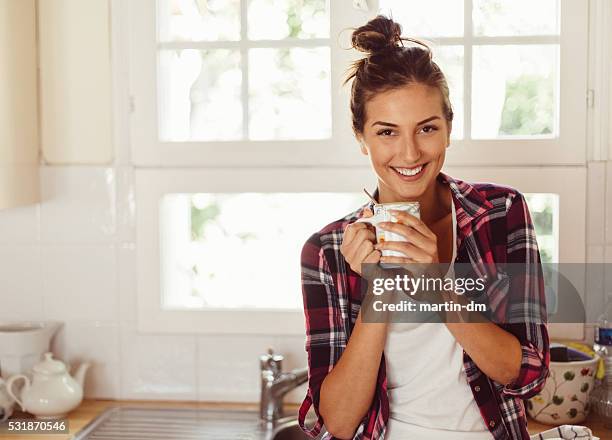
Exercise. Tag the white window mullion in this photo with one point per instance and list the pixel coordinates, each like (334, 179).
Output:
(205, 45)
(244, 64)
(523, 40)
(467, 69)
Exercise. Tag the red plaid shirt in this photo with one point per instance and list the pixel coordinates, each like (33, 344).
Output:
(494, 226)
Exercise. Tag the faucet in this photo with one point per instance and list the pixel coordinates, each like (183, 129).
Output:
(275, 384)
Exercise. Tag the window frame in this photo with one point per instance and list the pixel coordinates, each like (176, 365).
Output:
(152, 185)
(340, 149)
(332, 165)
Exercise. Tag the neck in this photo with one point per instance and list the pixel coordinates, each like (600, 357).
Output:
(434, 202)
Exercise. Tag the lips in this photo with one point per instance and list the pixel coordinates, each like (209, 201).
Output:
(400, 172)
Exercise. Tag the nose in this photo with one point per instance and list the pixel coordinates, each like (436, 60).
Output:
(410, 153)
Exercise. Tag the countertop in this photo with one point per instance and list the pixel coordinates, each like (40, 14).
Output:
(89, 409)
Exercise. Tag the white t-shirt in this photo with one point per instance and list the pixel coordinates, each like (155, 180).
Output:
(429, 396)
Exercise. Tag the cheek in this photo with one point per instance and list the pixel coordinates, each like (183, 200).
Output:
(381, 154)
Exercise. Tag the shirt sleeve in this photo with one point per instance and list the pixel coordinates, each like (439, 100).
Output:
(527, 302)
(325, 329)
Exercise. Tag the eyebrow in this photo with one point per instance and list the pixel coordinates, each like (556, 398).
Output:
(389, 124)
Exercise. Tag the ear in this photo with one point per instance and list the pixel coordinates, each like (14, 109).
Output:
(362, 145)
(450, 129)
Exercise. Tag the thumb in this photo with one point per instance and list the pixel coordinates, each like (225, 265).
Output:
(367, 212)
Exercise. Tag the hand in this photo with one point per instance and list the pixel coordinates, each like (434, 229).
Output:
(358, 244)
(422, 245)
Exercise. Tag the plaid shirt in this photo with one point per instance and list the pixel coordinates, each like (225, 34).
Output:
(494, 226)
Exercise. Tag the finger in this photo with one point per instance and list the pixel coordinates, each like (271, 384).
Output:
(366, 212)
(408, 249)
(362, 252)
(397, 260)
(409, 233)
(350, 247)
(374, 257)
(351, 230)
(410, 220)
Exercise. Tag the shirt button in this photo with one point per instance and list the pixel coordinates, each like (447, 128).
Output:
(477, 388)
(491, 423)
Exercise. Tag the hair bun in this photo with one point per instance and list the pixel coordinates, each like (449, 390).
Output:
(378, 34)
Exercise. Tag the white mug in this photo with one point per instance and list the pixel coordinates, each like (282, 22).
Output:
(382, 214)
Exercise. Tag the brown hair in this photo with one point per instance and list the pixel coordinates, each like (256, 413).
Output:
(390, 64)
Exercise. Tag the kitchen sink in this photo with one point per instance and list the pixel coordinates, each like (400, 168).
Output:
(128, 423)
(290, 431)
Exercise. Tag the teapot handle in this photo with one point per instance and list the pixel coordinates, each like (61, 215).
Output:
(9, 387)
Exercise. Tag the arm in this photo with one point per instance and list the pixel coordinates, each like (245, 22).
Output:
(343, 374)
(514, 352)
(527, 295)
(348, 390)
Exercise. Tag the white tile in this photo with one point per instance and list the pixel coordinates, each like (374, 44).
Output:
(126, 205)
(97, 343)
(20, 225)
(595, 202)
(79, 283)
(158, 367)
(126, 272)
(20, 283)
(595, 253)
(79, 204)
(228, 367)
(292, 347)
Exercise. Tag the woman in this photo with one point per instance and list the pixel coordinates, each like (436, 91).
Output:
(376, 380)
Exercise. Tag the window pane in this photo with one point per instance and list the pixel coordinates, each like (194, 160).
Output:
(515, 91)
(516, 17)
(289, 94)
(199, 20)
(450, 60)
(278, 19)
(200, 95)
(241, 250)
(544, 210)
(431, 18)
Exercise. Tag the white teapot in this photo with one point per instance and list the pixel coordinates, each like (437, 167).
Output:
(53, 392)
(6, 403)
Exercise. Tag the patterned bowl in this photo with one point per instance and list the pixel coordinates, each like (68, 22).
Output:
(565, 396)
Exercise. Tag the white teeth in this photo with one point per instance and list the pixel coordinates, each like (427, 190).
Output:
(409, 171)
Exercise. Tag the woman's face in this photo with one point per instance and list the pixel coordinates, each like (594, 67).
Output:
(405, 130)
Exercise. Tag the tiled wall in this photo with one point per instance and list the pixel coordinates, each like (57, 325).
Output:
(72, 258)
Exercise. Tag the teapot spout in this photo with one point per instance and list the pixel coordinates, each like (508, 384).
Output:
(79, 375)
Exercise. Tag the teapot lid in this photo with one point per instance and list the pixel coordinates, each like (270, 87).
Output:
(49, 365)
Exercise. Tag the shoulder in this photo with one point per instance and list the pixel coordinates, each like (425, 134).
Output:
(501, 197)
(328, 238)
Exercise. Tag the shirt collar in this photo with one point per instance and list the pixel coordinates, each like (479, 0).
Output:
(469, 202)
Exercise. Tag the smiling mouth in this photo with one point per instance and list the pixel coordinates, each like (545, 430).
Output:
(410, 173)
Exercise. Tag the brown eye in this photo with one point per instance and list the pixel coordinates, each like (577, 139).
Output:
(385, 132)
(431, 128)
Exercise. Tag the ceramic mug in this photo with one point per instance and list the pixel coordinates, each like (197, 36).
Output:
(382, 214)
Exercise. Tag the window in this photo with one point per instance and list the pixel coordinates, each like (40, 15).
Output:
(231, 109)
(224, 254)
(506, 64)
(241, 250)
(213, 83)
(228, 73)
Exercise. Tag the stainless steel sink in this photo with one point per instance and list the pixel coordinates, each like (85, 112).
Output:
(290, 431)
(126, 423)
